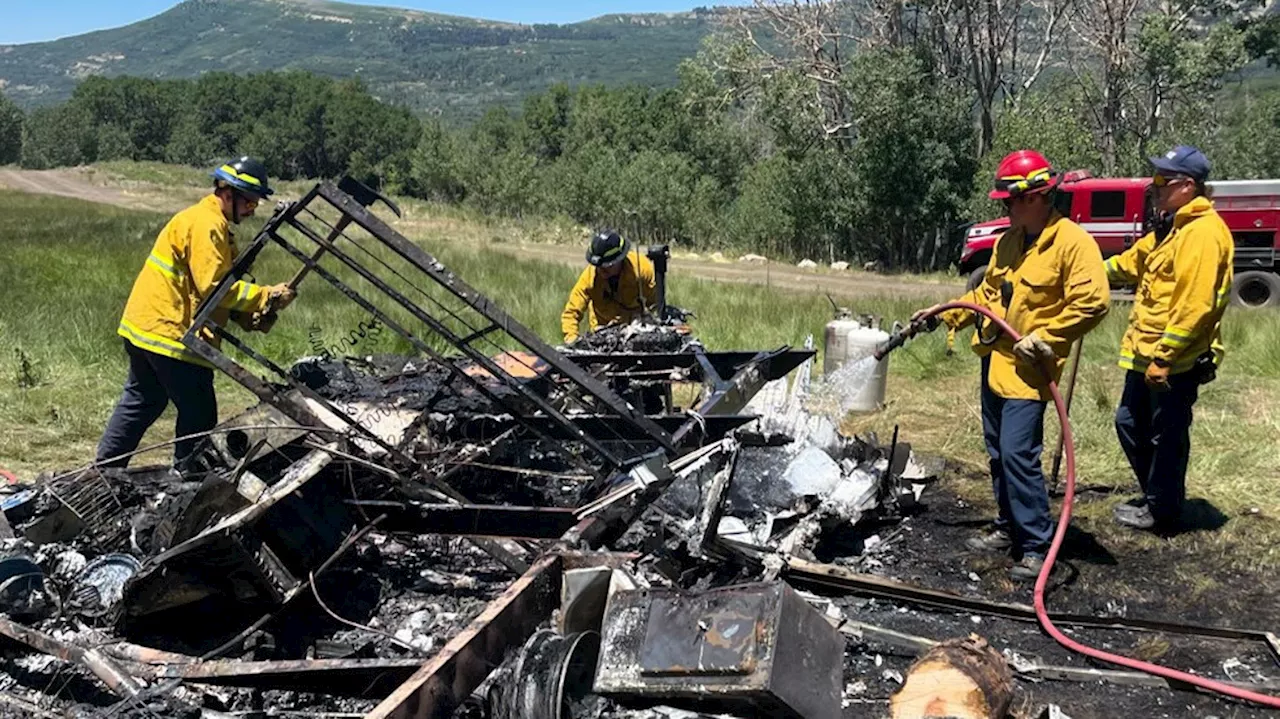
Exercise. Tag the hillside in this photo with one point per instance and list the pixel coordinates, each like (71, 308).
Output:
(433, 63)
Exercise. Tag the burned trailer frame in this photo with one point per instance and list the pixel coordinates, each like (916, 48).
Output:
(486, 320)
(731, 379)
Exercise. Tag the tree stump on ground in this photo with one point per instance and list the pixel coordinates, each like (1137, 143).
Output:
(957, 679)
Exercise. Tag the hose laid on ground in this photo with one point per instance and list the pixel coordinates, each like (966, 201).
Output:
(1064, 520)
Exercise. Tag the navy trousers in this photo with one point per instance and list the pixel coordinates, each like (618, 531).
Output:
(1155, 431)
(154, 381)
(1013, 430)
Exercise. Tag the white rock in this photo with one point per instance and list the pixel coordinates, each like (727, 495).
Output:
(973, 577)
(839, 266)
(718, 257)
(754, 259)
(404, 635)
(807, 264)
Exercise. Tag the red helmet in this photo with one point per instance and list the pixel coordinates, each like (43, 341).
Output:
(1022, 172)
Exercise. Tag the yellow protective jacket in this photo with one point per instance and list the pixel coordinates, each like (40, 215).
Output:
(1184, 286)
(1057, 288)
(192, 254)
(607, 304)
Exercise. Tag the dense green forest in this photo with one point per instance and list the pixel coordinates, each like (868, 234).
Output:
(449, 66)
(879, 149)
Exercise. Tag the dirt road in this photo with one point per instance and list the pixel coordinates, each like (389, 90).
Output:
(73, 183)
(76, 183)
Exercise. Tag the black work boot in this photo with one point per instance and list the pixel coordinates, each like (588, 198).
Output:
(1135, 517)
(1027, 569)
(1129, 507)
(997, 540)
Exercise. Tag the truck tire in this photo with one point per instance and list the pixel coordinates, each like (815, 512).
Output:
(975, 278)
(1255, 289)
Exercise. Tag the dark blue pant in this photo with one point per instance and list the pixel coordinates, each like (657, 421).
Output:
(1155, 431)
(1013, 430)
(154, 381)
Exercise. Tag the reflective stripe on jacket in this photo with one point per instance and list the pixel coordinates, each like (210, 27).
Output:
(636, 280)
(191, 255)
(1057, 288)
(1184, 287)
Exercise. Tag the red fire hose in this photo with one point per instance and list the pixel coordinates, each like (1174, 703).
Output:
(1064, 519)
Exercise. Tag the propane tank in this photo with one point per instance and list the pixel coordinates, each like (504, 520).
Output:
(848, 341)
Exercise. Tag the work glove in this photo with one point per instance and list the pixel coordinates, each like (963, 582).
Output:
(1032, 351)
(1157, 377)
(280, 296)
(925, 319)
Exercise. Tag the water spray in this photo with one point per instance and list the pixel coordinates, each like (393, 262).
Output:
(929, 323)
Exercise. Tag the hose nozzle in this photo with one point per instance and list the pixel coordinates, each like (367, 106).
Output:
(899, 338)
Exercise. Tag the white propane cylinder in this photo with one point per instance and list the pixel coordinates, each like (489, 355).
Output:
(847, 342)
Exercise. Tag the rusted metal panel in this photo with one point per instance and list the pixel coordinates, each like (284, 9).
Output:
(437, 689)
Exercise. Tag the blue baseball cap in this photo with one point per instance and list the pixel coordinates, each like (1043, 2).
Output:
(1184, 160)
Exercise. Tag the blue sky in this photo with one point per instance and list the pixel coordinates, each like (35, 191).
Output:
(35, 20)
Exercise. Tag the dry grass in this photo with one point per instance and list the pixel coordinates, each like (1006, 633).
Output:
(69, 265)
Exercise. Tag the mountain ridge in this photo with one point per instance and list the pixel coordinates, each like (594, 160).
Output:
(435, 63)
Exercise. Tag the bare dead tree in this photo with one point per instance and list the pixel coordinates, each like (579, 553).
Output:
(1007, 45)
(1105, 31)
(810, 39)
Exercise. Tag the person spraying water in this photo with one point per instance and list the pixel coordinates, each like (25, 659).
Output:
(1047, 281)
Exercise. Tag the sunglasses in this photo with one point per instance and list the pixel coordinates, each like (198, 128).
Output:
(1161, 180)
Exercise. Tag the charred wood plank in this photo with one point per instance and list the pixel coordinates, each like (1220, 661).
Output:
(115, 678)
(342, 677)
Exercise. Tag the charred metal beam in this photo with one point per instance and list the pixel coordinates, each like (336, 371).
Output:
(487, 308)
(440, 329)
(833, 577)
(440, 686)
(724, 363)
(472, 520)
(480, 427)
(726, 396)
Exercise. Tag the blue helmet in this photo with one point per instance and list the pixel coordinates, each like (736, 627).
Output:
(246, 175)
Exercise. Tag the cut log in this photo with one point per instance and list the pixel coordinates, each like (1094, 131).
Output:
(957, 679)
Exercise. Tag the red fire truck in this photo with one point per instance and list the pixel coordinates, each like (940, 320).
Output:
(1118, 211)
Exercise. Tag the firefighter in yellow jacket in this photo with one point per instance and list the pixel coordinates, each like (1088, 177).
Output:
(190, 257)
(1045, 279)
(1173, 342)
(618, 285)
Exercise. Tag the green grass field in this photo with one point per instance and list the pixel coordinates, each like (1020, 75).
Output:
(68, 267)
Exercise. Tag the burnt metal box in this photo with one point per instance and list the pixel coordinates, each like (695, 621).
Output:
(754, 650)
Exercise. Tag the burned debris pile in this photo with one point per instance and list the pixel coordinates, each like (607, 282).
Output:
(488, 527)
